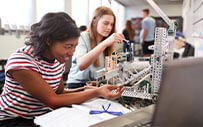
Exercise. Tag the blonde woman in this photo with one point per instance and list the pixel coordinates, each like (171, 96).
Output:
(93, 45)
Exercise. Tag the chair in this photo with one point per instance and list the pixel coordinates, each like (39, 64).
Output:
(2, 73)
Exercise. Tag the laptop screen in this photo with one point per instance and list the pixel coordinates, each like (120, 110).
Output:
(180, 101)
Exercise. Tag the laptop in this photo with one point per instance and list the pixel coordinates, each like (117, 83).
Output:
(179, 103)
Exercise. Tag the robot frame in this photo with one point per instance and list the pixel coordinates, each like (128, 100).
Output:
(130, 74)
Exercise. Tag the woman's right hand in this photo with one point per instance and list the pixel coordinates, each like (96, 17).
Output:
(115, 37)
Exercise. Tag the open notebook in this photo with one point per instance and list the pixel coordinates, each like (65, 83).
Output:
(78, 115)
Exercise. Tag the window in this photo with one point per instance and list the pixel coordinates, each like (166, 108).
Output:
(45, 6)
(93, 4)
(119, 11)
(16, 12)
(106, 3)
(80, 12)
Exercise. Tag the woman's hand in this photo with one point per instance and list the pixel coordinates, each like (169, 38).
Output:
(115, 37)
(110, 91)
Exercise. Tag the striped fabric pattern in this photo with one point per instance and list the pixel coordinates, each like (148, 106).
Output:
(14, 100)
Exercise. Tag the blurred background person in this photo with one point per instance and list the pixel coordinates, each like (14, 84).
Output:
(147, 32)
(128, 33)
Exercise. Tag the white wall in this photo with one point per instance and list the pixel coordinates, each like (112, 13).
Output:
(9, 44)
(170, 10)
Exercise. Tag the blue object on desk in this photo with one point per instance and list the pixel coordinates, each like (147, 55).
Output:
(92, 112)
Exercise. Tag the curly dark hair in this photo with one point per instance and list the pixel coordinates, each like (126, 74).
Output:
(52, 28)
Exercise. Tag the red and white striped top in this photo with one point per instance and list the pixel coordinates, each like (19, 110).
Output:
(14, 100)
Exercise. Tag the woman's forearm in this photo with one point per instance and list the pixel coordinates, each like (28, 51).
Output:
(86, 60)
(68, 99)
